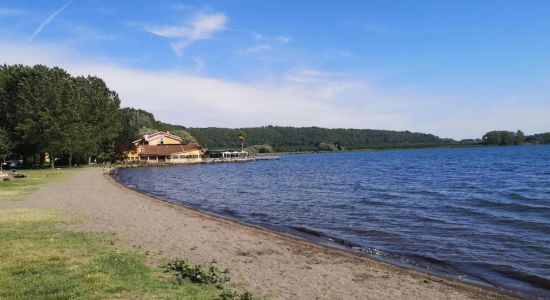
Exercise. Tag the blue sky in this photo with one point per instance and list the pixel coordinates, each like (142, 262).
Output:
(452, 68)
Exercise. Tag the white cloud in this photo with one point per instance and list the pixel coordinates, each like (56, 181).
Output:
(48, 20)
(202, 26)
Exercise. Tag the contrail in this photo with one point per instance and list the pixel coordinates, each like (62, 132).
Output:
(48, 20)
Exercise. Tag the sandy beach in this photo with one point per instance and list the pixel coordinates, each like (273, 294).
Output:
(267, 263)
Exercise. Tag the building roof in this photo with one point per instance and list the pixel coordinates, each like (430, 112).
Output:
(165, 150)
(157, 134)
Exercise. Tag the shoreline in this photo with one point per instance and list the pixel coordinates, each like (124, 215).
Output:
(340, 249)
(266, 261)
(328, 246)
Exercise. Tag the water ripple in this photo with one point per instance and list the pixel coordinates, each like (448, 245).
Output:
(479, 214)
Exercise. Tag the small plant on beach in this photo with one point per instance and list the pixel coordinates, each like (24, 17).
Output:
(229, 294)
(184, 270)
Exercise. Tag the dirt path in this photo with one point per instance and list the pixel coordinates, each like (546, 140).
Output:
(267, 263)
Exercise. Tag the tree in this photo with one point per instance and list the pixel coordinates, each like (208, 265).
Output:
(185, 136)
(520, 137)
(5, 146)
(502, 138)
(242, 139)
(51, 111)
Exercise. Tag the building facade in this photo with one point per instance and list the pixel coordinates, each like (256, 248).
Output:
(163, 147)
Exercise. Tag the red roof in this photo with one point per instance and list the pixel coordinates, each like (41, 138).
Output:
(166, 150)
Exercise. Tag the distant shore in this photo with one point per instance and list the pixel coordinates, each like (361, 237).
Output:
(265, 262)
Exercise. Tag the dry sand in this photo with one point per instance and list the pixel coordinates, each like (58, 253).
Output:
(265, 262)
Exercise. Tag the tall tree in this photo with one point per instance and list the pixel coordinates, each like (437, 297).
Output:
(520, 137)
(242, 139)
(5, 146)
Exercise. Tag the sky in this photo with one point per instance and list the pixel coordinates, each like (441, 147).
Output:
(452, 68)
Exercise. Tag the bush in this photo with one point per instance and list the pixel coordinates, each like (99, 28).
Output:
(184, 270)
(234, 295)
(254, 149)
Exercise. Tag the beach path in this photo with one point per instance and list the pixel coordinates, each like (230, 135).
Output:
(265, 262)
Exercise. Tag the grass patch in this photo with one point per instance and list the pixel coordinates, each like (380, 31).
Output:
(42, 261)
(17, 188)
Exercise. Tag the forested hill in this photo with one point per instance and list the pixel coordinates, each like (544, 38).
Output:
(311, 138)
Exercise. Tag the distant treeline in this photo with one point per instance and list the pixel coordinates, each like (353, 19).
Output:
(312, 138)
(506, 138)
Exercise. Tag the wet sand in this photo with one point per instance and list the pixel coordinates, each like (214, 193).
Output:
(265, 262)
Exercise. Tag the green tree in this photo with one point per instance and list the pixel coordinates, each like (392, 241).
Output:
(242, 139)
(186, 137)
(503, 138)
(520, 137)
(50, 111)
(5, 146)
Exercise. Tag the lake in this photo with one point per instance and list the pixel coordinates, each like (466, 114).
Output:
(477, 214)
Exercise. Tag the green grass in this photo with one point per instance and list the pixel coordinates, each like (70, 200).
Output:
(17, 188)
(41, 260)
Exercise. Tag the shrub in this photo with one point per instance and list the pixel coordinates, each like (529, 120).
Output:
(254, 149)
(229, 294)
(184, 270)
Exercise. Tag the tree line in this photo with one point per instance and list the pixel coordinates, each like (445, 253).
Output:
(506, 138)
(312, 138)
(45, 110)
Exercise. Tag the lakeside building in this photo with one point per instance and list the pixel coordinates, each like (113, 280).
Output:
(163, 147)
(228, 156)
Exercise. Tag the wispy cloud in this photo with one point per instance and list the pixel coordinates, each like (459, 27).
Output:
(281, 39)
(199, 64)
(48, 20)
(180, 6)
(202, 26)
(257, 48)
(307, 75)
(83, 32)
(10, 12)
(265, 43)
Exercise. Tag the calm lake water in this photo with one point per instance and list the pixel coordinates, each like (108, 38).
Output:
(478, 214)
